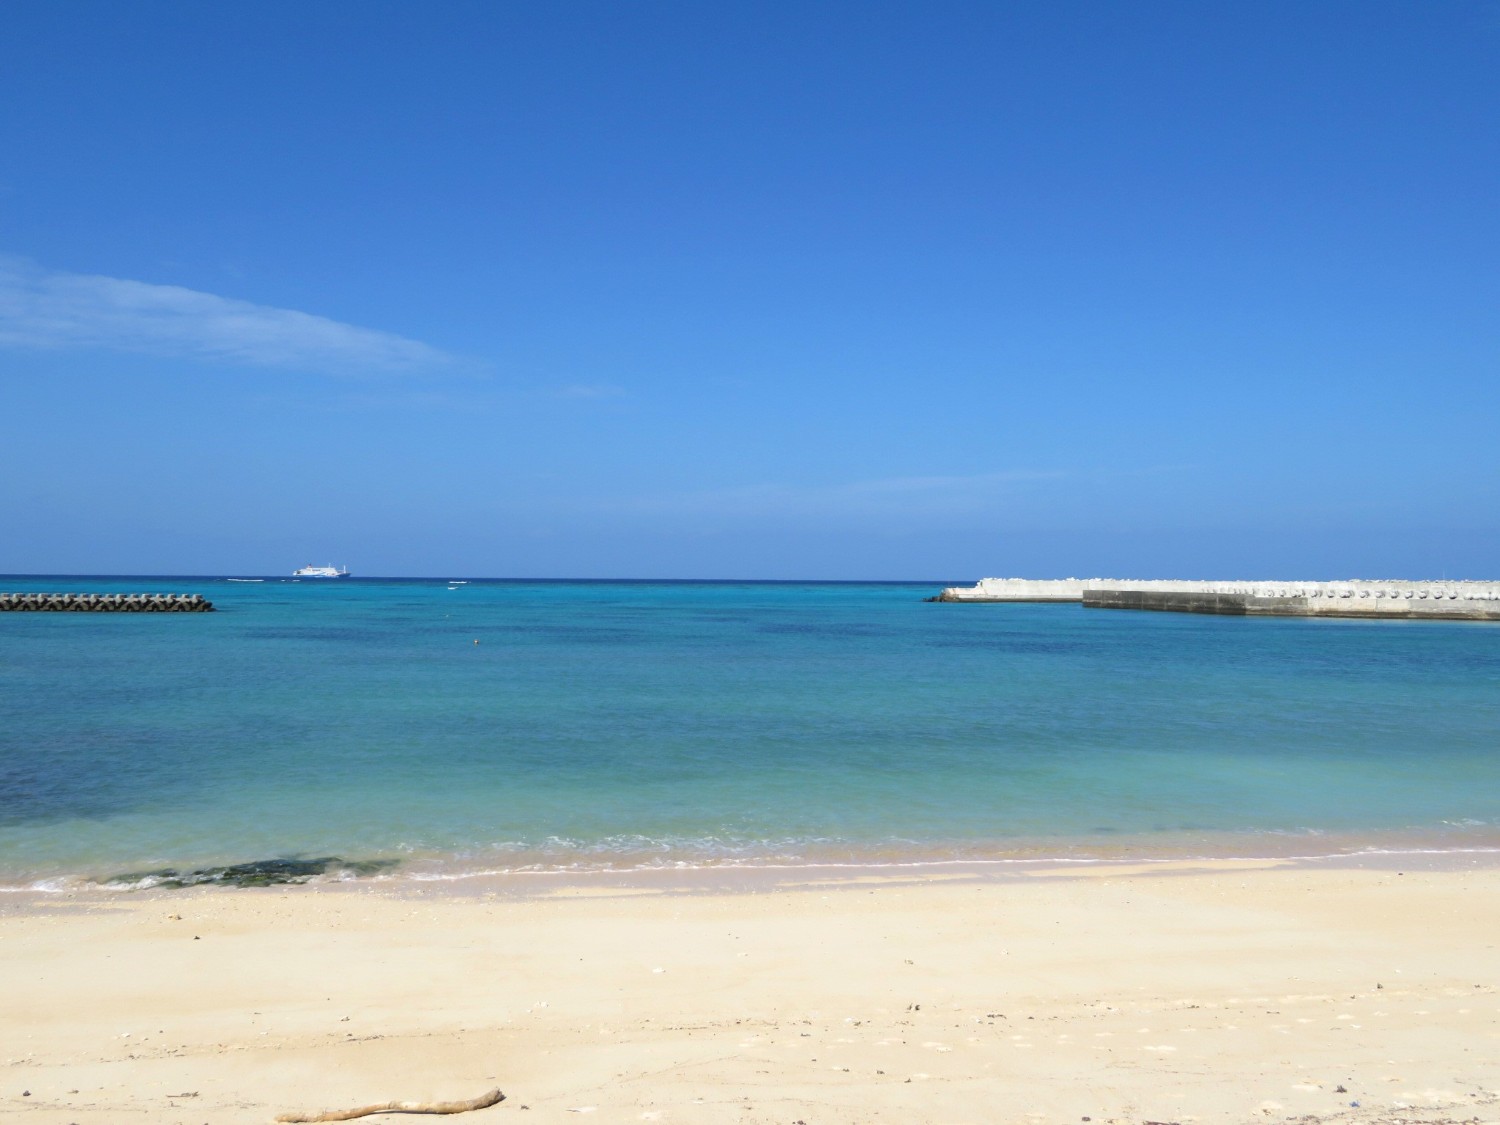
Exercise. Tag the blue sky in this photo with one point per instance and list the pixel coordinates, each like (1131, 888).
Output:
(824, 290)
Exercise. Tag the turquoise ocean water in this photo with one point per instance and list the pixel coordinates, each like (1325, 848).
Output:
(624, 724)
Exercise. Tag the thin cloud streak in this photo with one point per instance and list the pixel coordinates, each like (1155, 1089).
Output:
(51, 309)
(590, 391)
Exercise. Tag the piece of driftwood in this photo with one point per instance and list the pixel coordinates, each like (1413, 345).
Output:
(483, 1101)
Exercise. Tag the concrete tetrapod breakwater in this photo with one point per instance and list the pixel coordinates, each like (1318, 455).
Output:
(1472, 601)
(105, 603)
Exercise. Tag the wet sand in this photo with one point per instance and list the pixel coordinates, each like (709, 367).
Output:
(1268, 991)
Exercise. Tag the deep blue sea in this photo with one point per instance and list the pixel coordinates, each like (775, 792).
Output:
(623, 724)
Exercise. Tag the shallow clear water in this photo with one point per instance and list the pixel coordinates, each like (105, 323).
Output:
(622, 723)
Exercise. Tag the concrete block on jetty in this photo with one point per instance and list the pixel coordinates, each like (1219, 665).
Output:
(105, 603)
(1477, 601)
(1017, 590)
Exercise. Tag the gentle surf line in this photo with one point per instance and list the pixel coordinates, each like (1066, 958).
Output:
(389, 871)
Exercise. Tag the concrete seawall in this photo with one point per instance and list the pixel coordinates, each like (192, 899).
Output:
(1017, 590)
(1473, 601)
(105, 603)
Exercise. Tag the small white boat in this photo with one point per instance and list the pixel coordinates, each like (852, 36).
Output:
(320, 572)
(244, 580)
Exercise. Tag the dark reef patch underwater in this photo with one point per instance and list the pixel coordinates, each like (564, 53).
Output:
(258, 873)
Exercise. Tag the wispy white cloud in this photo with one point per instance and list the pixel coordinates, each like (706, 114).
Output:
(929, 495)
(50, 309)
(590, 390)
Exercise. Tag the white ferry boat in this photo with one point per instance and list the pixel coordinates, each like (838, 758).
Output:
(320, 572)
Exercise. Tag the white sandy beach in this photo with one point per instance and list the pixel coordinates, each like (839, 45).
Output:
(1227, 992)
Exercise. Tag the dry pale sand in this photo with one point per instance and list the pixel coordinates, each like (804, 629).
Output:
(1228, 992)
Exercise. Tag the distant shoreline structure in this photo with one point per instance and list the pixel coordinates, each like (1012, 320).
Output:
(1467, 601)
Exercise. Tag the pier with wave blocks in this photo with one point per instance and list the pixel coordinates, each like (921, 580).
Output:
(1397, 598)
